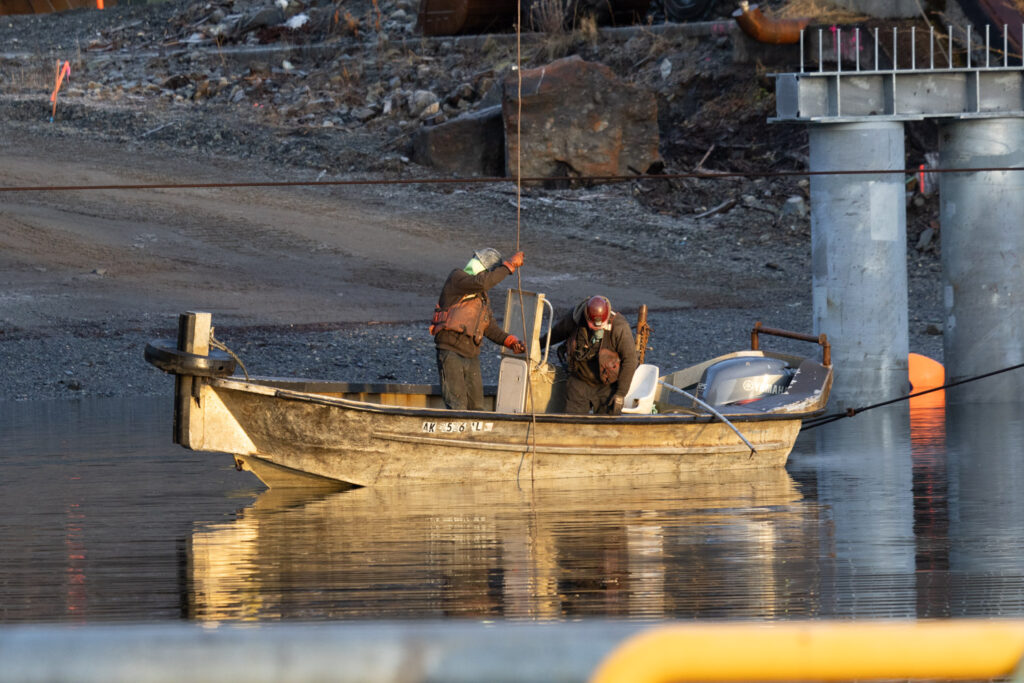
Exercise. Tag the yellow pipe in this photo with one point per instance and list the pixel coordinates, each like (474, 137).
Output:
(823, 651)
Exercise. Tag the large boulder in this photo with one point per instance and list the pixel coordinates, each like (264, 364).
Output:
(578, 119)
(470, 145)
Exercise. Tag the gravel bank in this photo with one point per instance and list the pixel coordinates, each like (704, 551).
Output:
(107, 361)
(89, 278)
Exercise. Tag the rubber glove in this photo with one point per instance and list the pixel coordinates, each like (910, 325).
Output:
(516, 261)
(512, 342)
(615, 405)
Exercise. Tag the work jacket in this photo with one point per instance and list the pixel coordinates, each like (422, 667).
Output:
(466, 312)
(584, 357)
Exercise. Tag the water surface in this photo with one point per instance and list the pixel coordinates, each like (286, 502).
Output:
(893, 513)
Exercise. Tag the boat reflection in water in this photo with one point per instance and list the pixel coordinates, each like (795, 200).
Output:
(647, 548)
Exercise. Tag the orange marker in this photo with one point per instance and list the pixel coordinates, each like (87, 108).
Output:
(62, 71)
(927, 412)
(925, 373)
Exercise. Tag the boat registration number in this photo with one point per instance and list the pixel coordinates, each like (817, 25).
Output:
(456, 427)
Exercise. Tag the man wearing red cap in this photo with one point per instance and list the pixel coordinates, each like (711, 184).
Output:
(600, 354)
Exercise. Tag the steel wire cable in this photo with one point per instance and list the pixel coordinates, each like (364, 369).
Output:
(518, 181)
(531, 436)
(850, 412)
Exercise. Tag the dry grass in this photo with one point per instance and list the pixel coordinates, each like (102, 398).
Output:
(556, 46)
(587, 30)
(38, 76)
(378, 17)
(820, 12)
(548, 17)
(343, 23)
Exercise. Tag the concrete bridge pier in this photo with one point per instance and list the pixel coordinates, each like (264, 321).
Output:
(982, 248)
(858, 248)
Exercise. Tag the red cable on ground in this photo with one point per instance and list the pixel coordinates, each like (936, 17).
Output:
(494, 180)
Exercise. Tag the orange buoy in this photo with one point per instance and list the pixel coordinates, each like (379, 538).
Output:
(924, 372)
(927, 412)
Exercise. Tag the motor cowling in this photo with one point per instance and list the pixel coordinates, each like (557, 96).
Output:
(736, 381)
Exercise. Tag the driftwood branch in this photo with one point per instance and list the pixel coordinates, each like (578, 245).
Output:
(721, 208)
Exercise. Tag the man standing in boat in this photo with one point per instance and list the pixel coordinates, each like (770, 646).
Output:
(600, 354)
(462, 318)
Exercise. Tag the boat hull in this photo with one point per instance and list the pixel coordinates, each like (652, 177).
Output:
(310, 433)
(292, 438)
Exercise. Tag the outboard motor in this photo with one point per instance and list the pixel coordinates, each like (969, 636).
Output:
(742, 380)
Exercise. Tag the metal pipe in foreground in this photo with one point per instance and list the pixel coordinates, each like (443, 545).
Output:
(453, 652)
(820, 651)
(351, 652)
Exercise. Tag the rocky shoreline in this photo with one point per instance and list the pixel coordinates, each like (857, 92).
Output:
(92, 277)
(93, 361)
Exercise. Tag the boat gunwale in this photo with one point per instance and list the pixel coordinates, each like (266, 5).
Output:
(254, 387)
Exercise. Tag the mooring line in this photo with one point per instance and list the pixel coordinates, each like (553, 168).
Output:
(850, 412)
(218, 344)
(531, 435)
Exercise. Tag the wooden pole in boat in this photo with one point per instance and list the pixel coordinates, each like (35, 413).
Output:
(643, 333)
(193, 337)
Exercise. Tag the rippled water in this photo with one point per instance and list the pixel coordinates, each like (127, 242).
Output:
(895, 513)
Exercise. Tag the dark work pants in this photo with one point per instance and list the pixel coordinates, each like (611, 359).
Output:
(581, 397)
(461, 384)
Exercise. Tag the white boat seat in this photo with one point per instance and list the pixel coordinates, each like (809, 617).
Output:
(642, 390)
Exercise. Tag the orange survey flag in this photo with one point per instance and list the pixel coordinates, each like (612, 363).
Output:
(62, 71)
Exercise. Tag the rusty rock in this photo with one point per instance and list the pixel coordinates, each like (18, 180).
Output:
(579, 119)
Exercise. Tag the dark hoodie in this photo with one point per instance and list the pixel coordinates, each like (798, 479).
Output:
(586, 368)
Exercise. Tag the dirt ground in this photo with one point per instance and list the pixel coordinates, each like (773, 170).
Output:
(352, 254)
(293, 258)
